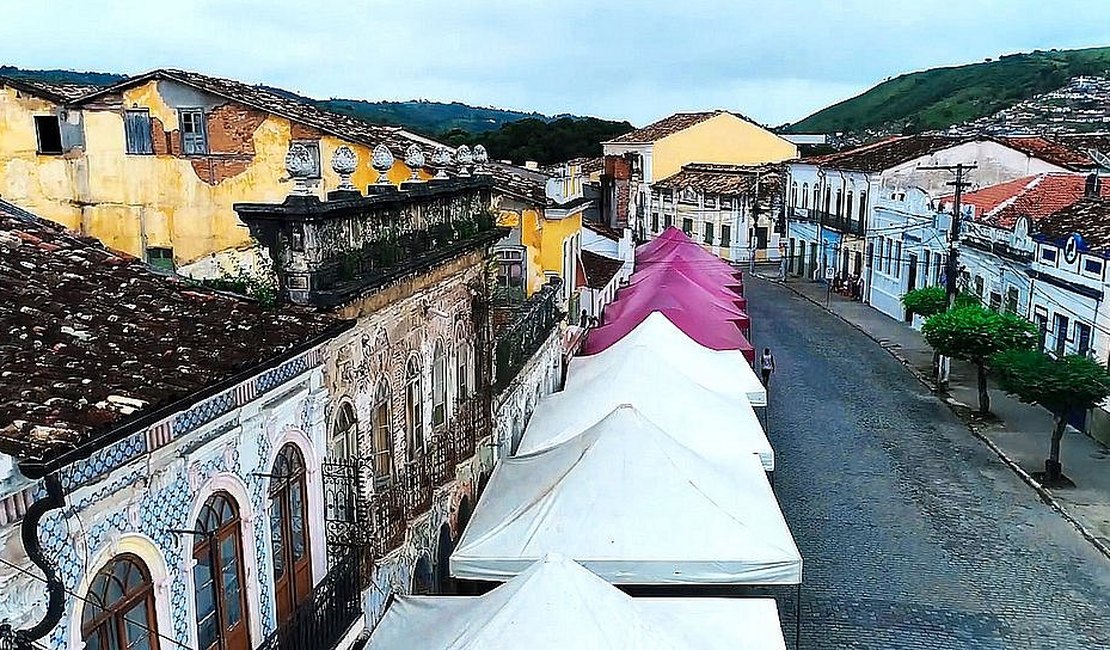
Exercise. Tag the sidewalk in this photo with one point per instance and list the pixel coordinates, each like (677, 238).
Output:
(1021, 434)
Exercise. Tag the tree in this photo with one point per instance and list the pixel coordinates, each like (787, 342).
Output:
(975, 334)
(1061, 385)
(930, 301)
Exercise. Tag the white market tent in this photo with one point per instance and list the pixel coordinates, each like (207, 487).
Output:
(633, 505)
(724, 371)
(719, 428)
(556, 604)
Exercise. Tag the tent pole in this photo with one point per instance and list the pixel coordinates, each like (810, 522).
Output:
(798, 618)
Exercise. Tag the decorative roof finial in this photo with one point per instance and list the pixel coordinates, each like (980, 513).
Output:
(382, 162)
(414, 160)
(300, 165)
(465, 159)
(441, 158)
(344, 162)
(481, 157)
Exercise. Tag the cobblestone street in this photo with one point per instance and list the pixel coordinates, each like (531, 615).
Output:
(914, 534)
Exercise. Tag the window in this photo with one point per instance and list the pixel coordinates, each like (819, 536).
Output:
(898, 259)
(839, 201)
(828, 198)
(289, 532)
(510, 269)
(194, 135)
(1083, 339)
(848, 205)
(870, 254)
(805, 195)
(655, 222)
(862, 204)
(1011, 300)
(1060, 327)
(160, 257)
(979, 286)
(688, 226)
(710, 202)
(995, 301)
(794, 194)
(462, 367)
(708, 233)
(1040, 319)
(221, 601)
(343, 442)
(49, 133)
(816, 197)
(1048, 254)
(925, 269)
(888, 254)
(1093, 267)
(137, 132)
(383, 435)
(668, 221)
(119, 612)
(439, 385)
(726, 235)
(414, 409)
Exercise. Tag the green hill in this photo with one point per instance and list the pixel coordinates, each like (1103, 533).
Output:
(541, 141)
(62, 76)
(430, 117)
(941, 97)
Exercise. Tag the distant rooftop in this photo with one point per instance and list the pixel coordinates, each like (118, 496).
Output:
(669, 126)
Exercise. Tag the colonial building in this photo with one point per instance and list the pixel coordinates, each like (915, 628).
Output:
(636, 160)
(732, 210)
(193, 468)
(831, 198)
(151, 166)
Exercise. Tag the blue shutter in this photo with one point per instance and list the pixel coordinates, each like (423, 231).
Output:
(138, 132)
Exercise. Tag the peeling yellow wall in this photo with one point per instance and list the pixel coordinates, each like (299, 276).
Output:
(133, 202)
(543, 241)
(37, 183)
(725, 139)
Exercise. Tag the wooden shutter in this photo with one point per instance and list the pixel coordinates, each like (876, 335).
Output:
(137, 130)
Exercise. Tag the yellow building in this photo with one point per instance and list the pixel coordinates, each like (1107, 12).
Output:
(545, 214)
(153, 165)
(636, 160)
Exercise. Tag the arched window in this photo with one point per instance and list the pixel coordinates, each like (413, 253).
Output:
(343, 442)
(439, 385)
(414, 408)
(383, 435)
(805, 195)
(816, 197)
(289, 532)
(848, 205)
(862, 204)
(794, 194)
(462, 370)
(119, 614)
(839, 201)
(828, 198)
(218, 576)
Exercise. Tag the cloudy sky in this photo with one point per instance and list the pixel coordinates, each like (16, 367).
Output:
(775, 60)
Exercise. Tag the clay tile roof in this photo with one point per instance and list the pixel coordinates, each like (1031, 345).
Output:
(723, 180)
(95, 340)
(1034, 197)
(525, 184)
(884, 154)
(599, 270)
(667, 126)
(602, 229)
(1089, 217)
(587, 165)
(284, 104)
(1056, 152)
(57, 92)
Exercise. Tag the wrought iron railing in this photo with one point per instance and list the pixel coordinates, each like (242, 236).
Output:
(515, 344)
(841, 223)
(322, 621)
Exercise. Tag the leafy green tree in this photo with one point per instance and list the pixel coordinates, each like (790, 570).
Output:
(975, 334)
(930, 301)
(1061, 385)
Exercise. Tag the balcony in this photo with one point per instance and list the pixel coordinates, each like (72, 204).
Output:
(828, 220)
(323, 620)
(524, 332)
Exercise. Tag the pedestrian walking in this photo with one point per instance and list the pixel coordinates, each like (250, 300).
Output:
(751, 258)
(782, 264)
(767, 365)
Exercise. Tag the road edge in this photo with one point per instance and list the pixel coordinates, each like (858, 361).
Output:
(1044, 493)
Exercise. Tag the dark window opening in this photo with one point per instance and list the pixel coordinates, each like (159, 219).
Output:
(160, 257)
(49, 132)
(688, 226)
(709, 233)
(726, 235)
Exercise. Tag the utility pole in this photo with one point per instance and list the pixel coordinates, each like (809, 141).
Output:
(953, 266)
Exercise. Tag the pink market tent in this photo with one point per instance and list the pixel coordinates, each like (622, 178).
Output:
(709, 277)
(673, 246)
(680, 278)
(708, 332)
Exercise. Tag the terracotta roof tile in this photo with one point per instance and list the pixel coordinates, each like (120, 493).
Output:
(57, 92)
(599, 270)
(95, 339)
(1089, 217)
(1034, 197)
(1055, 151)
(884, 154)
(722, 180)
(526, 184)
(669, 126)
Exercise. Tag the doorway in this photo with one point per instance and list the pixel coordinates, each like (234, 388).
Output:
(911, 283)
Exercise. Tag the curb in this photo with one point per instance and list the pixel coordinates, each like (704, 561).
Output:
(1044, 493)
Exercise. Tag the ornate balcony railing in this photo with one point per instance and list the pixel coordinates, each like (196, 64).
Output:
(840, 223)
(321, 621)
(519, 339)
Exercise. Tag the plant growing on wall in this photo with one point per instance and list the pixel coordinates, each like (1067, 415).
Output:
(1063, 386)
(975, 334)
(253, 277)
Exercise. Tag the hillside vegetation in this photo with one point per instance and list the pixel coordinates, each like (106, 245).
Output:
(429, 117)
(62, 76)
(543, 142)
(942, 97)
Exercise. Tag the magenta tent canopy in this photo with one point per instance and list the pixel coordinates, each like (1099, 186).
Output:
(687, 290)
(673, 245)
(681, 276)
(712, 333)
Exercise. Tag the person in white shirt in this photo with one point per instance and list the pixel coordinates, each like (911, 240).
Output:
(766, 365)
